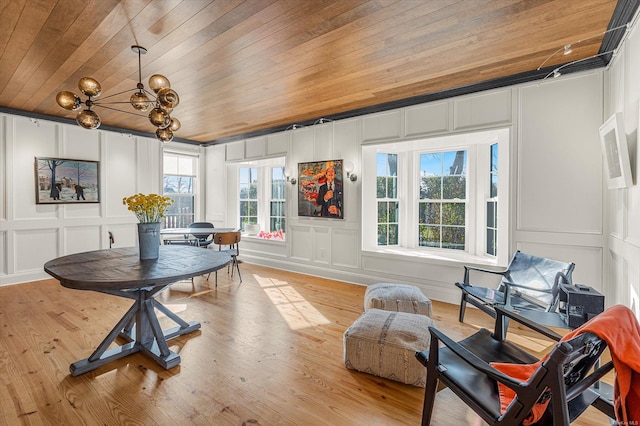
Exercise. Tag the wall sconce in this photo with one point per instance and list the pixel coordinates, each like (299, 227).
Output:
(348, 167)
(287, 173)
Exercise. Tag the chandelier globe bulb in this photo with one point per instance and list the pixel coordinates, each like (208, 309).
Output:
(69, 100)
(140, 101)
(164, 135)
(89, 87)
(88, 119)
(159, 117)
(158, 81)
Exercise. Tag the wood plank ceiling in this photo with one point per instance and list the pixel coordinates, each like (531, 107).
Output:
(244, 68)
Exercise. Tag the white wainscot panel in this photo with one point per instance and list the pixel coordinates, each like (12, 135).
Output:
(34, 248)
(382, 126)
(632, 290)
(3, 252)
(483, 110)
(255, 246)
(347, 137)
(301, 247)
(34, 138)
(255, 148)
(80, 144)
(322, 245)
(277, 144)
(323, 147)
(413, 268)
(79, 239)
(615, 213)
(560, 182)
(235, 151)
(631, 215)
(125, 235)
(347, 143)
(427, 119)
(344, 248)
(31, 139)
(302, 146)
(91, 210)
(588, 260)
(119, 174)
(615, 294)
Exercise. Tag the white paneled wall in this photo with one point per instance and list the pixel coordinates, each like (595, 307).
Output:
(556, 172)
(427, 119)
(491, 109)
(32, 234)
(622, 227)
(558, 142)
(560, 180)
(213, 172)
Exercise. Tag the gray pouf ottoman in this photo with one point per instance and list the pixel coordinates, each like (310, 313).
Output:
(397, 297)
(384, 343)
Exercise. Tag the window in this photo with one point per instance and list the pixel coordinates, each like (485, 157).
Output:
(179, 182)
(387, 195)
(492, 203)
(248, 184)
(437, 197)
(442, 203)
(261, 196)
(277, 204)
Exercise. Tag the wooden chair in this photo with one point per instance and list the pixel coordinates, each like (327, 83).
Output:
(565, 378)
(529, 282)
(231, 240)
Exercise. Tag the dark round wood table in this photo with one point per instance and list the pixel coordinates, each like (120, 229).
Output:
(120, 272)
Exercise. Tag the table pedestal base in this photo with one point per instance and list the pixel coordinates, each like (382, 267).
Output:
(141, 328)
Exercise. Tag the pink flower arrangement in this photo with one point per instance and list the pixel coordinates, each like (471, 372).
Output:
(274, 235)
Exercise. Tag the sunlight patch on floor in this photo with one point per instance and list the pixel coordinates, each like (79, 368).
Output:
(294, 308)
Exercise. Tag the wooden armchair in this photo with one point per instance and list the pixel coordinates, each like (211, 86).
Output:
(566, 377)
(529, 282)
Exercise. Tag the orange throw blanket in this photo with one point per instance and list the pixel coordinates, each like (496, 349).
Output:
(620, 329)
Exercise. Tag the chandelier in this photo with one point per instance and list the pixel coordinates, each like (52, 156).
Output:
(160, 103)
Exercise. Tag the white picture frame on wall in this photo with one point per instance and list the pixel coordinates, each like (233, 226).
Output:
(615, 150)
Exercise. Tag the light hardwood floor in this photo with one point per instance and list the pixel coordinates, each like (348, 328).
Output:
(269, 353)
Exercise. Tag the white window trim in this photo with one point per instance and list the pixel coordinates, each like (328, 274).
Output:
(264, 191)
(477, 172)
(197, 181)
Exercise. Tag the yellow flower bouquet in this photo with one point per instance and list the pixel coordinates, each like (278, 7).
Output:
(148, 208)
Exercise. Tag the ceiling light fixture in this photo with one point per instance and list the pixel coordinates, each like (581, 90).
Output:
(160, 102)
(568, 48)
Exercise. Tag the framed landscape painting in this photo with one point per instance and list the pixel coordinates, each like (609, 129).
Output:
(320, 189)
(63, 181)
